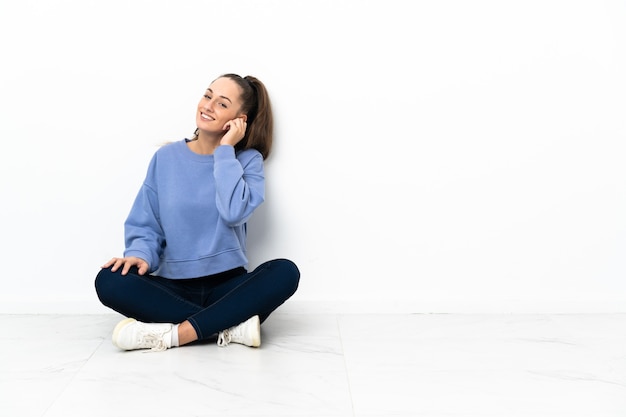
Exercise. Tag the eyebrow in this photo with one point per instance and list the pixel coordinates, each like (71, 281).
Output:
(224, 97)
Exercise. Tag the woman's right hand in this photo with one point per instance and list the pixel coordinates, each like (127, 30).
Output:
(235, 131)
(126, 264)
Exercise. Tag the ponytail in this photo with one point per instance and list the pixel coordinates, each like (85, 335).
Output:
(257, 106)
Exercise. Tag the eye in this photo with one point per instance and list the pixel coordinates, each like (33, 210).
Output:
(207, 97)
(224, 105)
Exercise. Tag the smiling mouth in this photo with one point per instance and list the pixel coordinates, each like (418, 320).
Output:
(205, 117)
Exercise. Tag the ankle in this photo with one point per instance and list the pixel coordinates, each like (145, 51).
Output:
(186, 333)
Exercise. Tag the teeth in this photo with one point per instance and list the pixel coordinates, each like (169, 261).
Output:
(204, 116)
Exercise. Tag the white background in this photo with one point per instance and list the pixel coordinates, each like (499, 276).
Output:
(430, 156)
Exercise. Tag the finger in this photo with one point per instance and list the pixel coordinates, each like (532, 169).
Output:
(126, 268)
(143, 268)
(109, 263)
(116, 262)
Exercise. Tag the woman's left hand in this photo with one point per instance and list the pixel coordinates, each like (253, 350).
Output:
(236, 130)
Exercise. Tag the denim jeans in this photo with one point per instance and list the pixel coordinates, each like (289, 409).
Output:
(211, 304)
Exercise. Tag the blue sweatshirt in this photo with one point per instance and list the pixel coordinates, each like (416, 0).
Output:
(189, 217)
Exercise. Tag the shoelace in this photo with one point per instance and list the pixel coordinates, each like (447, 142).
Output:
(154, 340)
(224, 338)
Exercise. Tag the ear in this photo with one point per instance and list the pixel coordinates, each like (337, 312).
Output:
(244, 117)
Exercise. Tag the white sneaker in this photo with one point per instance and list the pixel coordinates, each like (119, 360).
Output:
(247, 333)
(130, 334)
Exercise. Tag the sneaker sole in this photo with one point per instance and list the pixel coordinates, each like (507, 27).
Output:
(118, 328)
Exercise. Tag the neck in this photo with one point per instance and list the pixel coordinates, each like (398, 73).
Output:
(205, 144)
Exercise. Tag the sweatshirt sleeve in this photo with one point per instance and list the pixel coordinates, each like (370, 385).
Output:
(239, 182)
(143, 234)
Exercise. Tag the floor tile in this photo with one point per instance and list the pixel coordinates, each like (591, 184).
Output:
(298, 371)
(41, 356)
(491, 365)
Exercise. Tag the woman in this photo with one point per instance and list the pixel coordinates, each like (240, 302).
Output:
(183, 276)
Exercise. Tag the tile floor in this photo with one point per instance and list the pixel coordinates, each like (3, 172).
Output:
(324, 365)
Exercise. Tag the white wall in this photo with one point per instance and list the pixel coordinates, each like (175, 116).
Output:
(431, 156)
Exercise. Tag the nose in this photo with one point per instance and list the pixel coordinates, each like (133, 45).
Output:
(207, 105)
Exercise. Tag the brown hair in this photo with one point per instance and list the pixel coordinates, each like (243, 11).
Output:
(256, 104)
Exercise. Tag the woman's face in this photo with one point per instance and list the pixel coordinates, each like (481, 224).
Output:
(220, 103)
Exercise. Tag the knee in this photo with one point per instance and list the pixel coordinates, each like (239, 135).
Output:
(105, 284)
(289, 274)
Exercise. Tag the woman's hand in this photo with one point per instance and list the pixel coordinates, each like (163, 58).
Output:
(235, 131)
(127, 263)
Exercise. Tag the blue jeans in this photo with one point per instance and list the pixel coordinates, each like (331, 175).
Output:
(211, 304)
